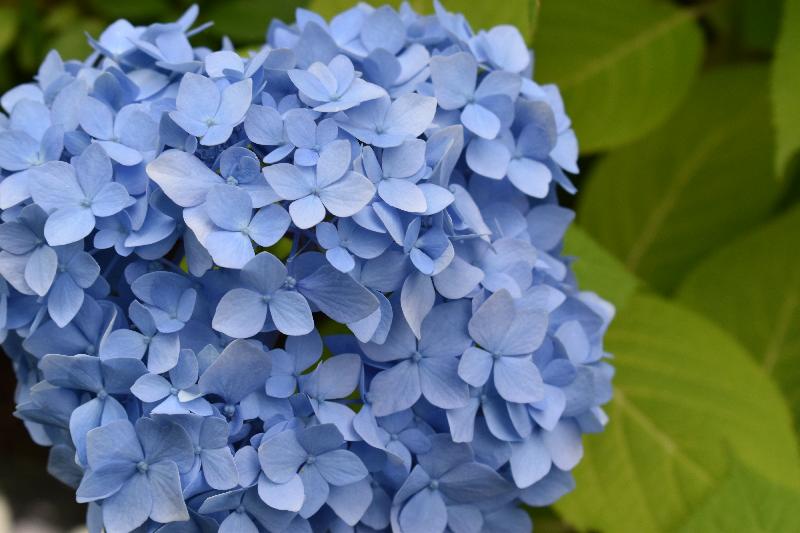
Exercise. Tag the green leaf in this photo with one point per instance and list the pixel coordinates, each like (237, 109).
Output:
(142, 11)
(246, 21)
(597, 270)
(664, 202)
(758, 22)
(785, 83)
(752, 289)
(687, 400)
(71, 42)
(623, 65)
(8, 27)
(746, 501)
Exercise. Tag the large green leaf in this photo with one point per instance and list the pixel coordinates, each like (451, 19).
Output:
(664, 202)
(757, 22)
(8, 27)
(687, 400)
(597, 270)
(752, 288)
(747, 502)
(246, 21)
(622, 65)
(785, 84)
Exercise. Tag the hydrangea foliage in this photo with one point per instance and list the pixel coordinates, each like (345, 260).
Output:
(315, 288)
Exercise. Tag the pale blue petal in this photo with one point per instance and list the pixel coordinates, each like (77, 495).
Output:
(350, 502)
(288, 496)
(307, 212)
(410, 115)
(417, 298)
(565, 444)
(183, 178)
(475, 366)
(110, 200)
(341, 467)
(403, 195)
(40, 271)
(454, 79)
(440, 383)
(280, 456)
(268, 225)
(151, 388)
(64, 300)
(291, 313)
(241, 368)
(530, 176)
(348, 195)
(425, 512)
(240, 314)
(338, 295)
(165, 489)
(219, 469)
(395, 389)
(530, 461)
(488, 158)
(518, 380)
(481, 121)
(130, 507)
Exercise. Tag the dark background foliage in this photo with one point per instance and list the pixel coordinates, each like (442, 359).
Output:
(688, 116)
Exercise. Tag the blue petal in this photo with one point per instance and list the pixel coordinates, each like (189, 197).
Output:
(473, 483)
(288, 496)
(417, 298)
(454, 79)
(338, 295)
(165, 489)
(130, 507)
(291, 313)
(307, 212)
(530, 461)
(481, 121)
(241, 368)
(240, 314)
(347, 196)
(395, 389)
(268, 225)
(425, 512)
(350, 502)
(219, 469)
(264, 126)
(280, 456)
(41, 269)
(151, 388)
(440, 383)
(518, 380)
(183, 178)
(341, 467)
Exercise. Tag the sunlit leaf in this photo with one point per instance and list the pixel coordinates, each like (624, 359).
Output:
(785, 82)
(245, 21)
(8, 27)
(597, 270)
(623, 65)
(752, 288)
(666, 201)
(745, 501)
(688, 401)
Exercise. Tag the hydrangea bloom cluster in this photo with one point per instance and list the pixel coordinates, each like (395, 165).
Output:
(315, 288)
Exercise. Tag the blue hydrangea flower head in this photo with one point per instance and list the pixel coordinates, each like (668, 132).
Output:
(315, 287)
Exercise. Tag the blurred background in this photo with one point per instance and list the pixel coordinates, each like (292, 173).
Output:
(688, 117)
